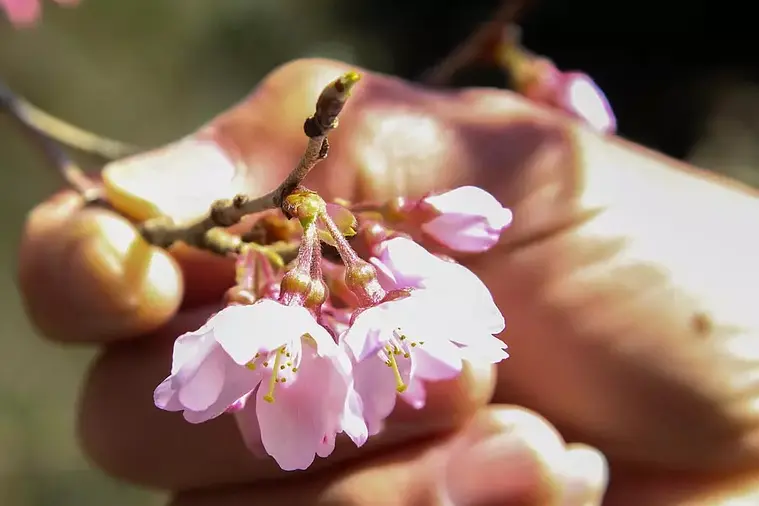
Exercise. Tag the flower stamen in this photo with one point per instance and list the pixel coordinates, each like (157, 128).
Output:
(269, 397)
(400, 386)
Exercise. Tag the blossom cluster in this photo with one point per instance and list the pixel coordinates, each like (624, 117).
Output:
(301, 354)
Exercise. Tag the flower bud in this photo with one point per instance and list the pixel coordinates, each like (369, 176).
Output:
(296, 282)
(317, 294)
(361, 278)
(239, 296)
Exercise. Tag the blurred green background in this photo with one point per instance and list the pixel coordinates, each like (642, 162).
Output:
(150, 71)
(145, 71)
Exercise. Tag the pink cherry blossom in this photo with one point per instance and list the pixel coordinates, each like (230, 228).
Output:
(404, 263)
(301, 378)
(399, 344)
(26, 12)
(469, 219)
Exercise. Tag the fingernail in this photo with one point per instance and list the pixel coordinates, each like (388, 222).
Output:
(492, 471)
(585, 477)
(179, 180)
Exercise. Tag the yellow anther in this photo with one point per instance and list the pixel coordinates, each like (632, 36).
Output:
(266, 364)
(295, 369)
(400, 386)
(251, 365)
(269, 397)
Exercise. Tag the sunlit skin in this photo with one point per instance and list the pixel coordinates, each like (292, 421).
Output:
(628, 282)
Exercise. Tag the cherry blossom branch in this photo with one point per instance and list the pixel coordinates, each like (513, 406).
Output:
(477, 45)
(205, 234)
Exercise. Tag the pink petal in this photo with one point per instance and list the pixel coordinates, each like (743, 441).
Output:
(470, 219)
(472, 201)
(247, 423)
(200, 390)
(485, 349)
(375, 385)
(437, 359)
(327, 445)
(416, 394)
(385, 275)
(463, 233)
(294, 425)
(370, 331)
(352, 422)
(238, 381)
(164, 396)
(21, 12)
(583, 98)
(262, 327)
(413, 266)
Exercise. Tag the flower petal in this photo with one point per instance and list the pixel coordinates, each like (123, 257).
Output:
(583, 98)
(199, 391)
(416, 394)
(472, 201)
(294, 425)
(262, 327)
(370, 330)
(238, 381)
(375, 385)
(247, 424)
(437, 359)
(164, 396)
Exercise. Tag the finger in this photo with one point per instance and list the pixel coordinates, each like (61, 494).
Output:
(631, 487)
(85, 274)
(628, 309)
(584, 476)
(118, 421)
(504, 456)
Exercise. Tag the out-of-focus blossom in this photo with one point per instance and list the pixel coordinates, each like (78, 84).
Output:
(538, 79)
(24, 13)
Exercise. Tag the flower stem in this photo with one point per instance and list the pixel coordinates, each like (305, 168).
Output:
(477, 46)
(227, 212)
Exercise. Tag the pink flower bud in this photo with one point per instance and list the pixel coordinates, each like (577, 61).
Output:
(579, 96)
(468, 219)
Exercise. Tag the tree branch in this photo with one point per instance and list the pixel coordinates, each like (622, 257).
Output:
(477, 45)
(60, 131)
(26, 115)
(204, 232)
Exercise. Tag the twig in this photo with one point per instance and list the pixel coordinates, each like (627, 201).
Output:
(71, 173)
(62, 132)
(204, 232)
(476, 45)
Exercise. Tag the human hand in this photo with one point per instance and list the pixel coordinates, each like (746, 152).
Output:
(622, 330)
